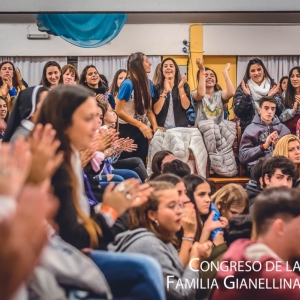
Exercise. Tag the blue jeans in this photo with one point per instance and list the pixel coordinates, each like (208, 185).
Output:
(130, 275)
(119, 176)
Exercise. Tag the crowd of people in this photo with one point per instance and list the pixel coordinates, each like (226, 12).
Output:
(81, 219)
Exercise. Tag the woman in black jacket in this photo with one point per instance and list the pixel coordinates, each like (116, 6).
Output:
(172, 97)
(257, 83)
(71, 110)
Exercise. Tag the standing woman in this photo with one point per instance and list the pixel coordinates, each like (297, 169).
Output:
(91, 79)
(10, 84)
(256, 84)
(119, 77)
(134, 105)
(172, 97)
(51, 76)
(291, 115)
(209, 98)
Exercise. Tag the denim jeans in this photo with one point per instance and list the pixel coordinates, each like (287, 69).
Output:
(118, 176)
(130, 275)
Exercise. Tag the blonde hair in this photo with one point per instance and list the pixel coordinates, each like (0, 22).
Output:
(231, 195)
(282, 147)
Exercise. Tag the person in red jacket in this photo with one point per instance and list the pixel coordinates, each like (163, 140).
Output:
(260, 269)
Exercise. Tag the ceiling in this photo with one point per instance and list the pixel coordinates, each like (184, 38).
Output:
(171, 18)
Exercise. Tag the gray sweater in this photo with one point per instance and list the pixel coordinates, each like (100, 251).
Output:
(181, 284)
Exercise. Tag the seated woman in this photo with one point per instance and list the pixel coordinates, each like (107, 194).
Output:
(101, 164)
(282, 86)
(172, 97)
(10, 84)
(159, 159)
(289, 146)
(3, 116)
(51, 76)
(176, 167)
(153, 226)
(209, 98)
(90, 78)
(291, 101)
(231, 200)
(257, 83)
(111, 120)
(198, 190)
(72, 113)
(24, 113)
(69, 74)
(119, 77)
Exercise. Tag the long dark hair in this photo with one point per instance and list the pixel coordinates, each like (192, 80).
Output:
(57, 110)
(138, 76)
(7, 113)
(15, 79)
(177, 78)
(253, 62)
(114, 89)
(289, 98)
(44, 80)
(217, 87)
(157, 162)
(280, 83)
(191, 182)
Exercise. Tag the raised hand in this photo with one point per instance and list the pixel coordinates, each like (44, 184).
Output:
(200, 64)
(15, 164)
(274, 90)
(129, 193)
(167, 85)
(245, 88)
(182, 81)
(100, 97)
(188, 221)
(45, 158)
(24, 235)
(227, 67)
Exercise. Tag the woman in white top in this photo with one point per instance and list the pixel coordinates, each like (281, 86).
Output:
(209, 98)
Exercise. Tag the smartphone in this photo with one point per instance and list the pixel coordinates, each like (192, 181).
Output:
(215, 218)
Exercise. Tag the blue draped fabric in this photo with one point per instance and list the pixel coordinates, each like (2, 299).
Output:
(83, 30)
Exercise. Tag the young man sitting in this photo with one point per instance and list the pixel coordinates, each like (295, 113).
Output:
(274, 172)
(260, 137)
(261, 269)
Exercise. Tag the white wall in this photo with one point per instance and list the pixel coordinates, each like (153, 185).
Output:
(147, 6)
(160, 39)
(152, 39)
(251, 40)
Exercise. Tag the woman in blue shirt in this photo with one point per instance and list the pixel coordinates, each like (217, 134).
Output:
(134, 105)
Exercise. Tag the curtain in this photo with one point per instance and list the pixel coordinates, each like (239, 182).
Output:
(277, 66)
(32, 67)
(109, 65)
(83, 30)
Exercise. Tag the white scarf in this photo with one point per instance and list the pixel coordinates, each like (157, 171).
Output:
(259, 91)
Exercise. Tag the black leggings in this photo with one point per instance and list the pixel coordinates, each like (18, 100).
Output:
(127, 130)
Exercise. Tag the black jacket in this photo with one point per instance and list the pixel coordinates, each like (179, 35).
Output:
(180, 114)
(252, 189)
(72, 231)
(243, 106)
